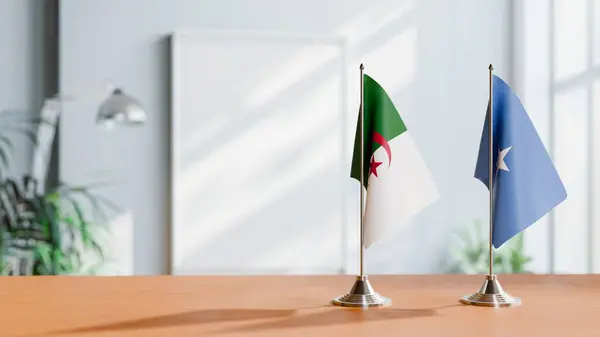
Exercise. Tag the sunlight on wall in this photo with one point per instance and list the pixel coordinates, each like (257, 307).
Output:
(236, 166)
(374, 17)
(281, 77)
(399, 72)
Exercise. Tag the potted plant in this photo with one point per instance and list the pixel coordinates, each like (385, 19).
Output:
(54, 231)
(470, 255)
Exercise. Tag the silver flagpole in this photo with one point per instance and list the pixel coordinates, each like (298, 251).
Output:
(491, 167)
(362, 169)
(491, 293)
(362, 294)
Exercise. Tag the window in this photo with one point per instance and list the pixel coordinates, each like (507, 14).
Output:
(557, 62)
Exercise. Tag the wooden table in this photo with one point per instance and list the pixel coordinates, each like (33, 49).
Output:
(562, 306)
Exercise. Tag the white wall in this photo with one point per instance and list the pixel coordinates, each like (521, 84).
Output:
(431, 55)
(23, 72)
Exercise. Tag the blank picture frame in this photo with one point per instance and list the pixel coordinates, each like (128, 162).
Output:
(261, 139)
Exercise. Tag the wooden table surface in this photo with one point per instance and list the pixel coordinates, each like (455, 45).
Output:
(289, 306)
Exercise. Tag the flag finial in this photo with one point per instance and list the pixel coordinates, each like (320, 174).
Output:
(362, 67)
(491, 67)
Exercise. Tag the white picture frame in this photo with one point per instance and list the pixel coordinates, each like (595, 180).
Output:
(256, 244)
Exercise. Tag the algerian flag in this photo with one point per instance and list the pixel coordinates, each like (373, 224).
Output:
(397, 180)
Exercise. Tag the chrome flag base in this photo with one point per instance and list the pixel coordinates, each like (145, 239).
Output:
(491, 294)
(362, 295)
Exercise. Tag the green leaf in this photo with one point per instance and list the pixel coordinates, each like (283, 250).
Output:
(57, 261)
(43, 255)
(63, 220)
(97, 202)
(82, 223)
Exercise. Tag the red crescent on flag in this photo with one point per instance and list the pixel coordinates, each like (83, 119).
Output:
(378, 138)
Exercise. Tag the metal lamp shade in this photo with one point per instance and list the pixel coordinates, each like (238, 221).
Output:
(121, 108)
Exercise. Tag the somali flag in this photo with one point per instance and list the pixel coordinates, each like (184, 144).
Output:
(526, 184)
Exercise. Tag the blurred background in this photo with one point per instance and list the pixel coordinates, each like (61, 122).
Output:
(234, 124)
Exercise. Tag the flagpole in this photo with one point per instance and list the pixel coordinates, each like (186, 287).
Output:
(362, 171)
(362, 294)
(491, 293)
(491, 167)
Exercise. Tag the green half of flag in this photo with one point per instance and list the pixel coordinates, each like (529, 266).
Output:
(382, 123)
